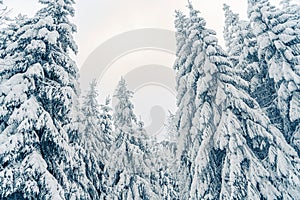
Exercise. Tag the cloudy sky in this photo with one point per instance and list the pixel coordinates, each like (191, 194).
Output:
(100, 20)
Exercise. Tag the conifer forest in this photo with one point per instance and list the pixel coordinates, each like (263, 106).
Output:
(235, 134)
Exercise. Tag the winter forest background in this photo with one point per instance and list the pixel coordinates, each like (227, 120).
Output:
(235, 134)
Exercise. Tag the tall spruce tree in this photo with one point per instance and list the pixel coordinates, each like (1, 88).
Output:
(183, 68)
(197, 77)
(278, 39)
(106, 123)
(124, 118)
(129, 168)
(39, 88)
(248, 66)
(239, 153)
(164, 171)
(94, 142)
(187, 75)
(204, 84)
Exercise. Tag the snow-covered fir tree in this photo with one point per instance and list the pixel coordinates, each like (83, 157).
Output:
(183, 67)
(170, 125)
(248, 66)
(38, 113)
(237, 152)
(164, 162)
(129, 168)
(203, 83)
(187, 75)
(277, 33)
(189, 139)
(124, 117)
(261, 87)
(106, 121)
(95, 140)
(164, 171)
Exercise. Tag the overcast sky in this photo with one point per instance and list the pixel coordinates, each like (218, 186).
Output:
(99, 20)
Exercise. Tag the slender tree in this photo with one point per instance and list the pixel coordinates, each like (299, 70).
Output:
(95, 145)
(124, 118)
(183, 68)
(106, 123)
(129, 167)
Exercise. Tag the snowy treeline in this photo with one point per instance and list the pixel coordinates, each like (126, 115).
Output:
(235, 135)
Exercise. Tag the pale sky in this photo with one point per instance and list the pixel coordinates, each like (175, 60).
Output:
(100, 20)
